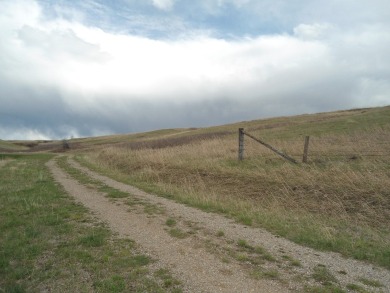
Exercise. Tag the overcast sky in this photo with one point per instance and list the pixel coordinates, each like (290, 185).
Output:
(71, 68)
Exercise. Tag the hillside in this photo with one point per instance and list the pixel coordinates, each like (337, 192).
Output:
(291, 127)
(9, 146)
(339, 201)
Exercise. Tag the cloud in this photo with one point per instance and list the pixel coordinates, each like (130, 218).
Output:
(22, 133)
(164, 4)
(312, 31)
(63, 77)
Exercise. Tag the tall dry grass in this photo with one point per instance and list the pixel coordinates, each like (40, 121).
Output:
(344, 191)
(340, 179)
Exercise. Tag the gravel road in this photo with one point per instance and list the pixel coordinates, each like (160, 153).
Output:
(208, 257)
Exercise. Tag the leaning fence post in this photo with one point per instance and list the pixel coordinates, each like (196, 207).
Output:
(240, 144)
(306, 149)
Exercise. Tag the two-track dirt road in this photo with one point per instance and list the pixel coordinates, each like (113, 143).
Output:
(215, 254)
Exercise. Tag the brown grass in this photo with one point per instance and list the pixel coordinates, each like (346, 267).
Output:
(340, 182)
(339, 201)
(171, 141)
(344, 191)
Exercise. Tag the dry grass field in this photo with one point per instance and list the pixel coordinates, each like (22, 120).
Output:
(338, 201)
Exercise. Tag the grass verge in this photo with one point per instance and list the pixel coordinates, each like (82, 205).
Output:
(50, 243)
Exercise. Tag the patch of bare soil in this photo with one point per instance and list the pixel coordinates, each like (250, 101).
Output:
(211, 253)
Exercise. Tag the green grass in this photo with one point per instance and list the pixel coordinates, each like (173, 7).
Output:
(245, 219)
(293, 262)
(94, 238)
(254, 255)
(168, 282)
(322, 275)
(48, 242)
(152, 209)
(75, 173)
(264, 254)
(324, 289)
(178, 233)
(356, 288)
(242, 243)
(10, 146)
(265, 274)
(220, 233)
(371, 283)
(170, 222)
(110, 192)
(87, 180)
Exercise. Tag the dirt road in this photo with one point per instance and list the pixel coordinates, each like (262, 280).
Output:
(211, 253)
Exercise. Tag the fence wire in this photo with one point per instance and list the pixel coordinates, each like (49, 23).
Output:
(351, 147)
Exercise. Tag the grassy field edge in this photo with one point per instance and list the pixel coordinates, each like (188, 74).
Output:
(51, 243)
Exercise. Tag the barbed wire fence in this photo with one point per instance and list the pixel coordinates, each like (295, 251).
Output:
(373, 146)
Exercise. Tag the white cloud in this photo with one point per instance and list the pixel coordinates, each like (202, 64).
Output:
(21, 134)
(164, 4)
(105, 81)
(85, 60)
(312, 31)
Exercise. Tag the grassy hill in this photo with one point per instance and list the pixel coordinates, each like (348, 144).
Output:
(338, 201)
(285, 128)
(11, 146)
(293, 127)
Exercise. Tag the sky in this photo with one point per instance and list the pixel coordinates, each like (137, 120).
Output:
(71, 68)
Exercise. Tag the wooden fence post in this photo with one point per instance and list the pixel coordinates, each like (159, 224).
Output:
(240, 144)
(306, 149)
(65, 144)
